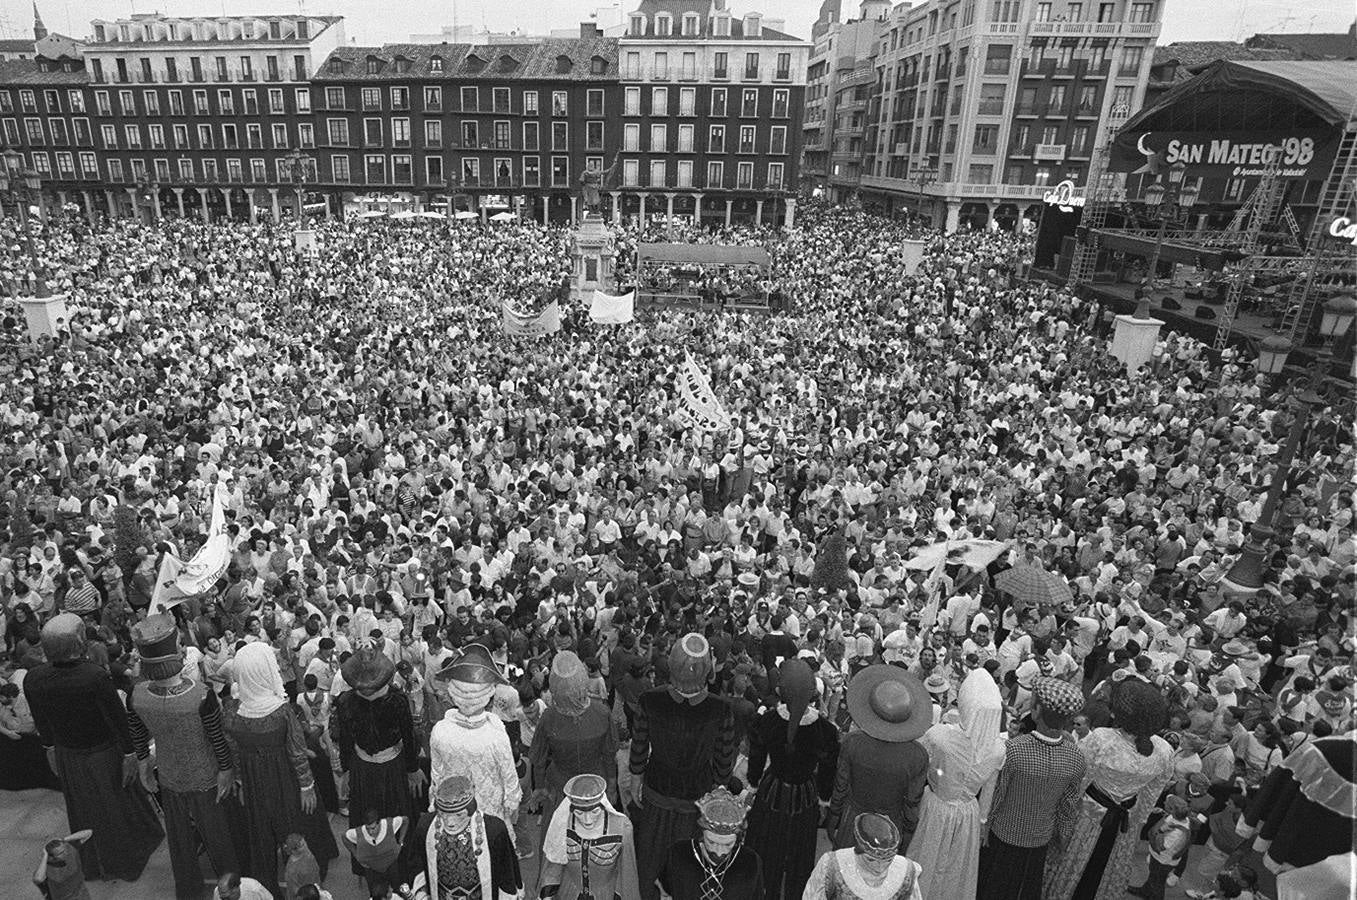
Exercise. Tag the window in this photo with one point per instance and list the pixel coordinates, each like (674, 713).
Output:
(559, 105)
(276, 104)
(436, 64)
(716, 174)
(400, 98)
(254, 136)
(280, 136)
(530, 136)
(1107, 12)
(1075, 12)
(131, 132)
(690, 24)
(102, 104)
(744, 175)
(471, 171)
(230, 138)
(998, 58)
(631, 137)
(784, 67)
(210, 170)
(560, 171)
(1130, 61)
(749, 103)
(720, 67)
(433, 99)
(89, 165)
(501, 136)
(751, 67)
(470, 135)
(659, 138)
(1121, 100)
(747, 138)
(81, 127)
(433, 133)
(661, 67)
(780, 101)
(97, 70)
(402, 172)
(659, 176)
(433, 170)
(633, 66)
(688, 66)
(659, 101)
(115, 170)
(687, 101)
(204, 137)
(372, 132)
(664, 25)
(716, 139)
(195, 65)
(593, 105)
(108, 134)
(271, 68)
(400, 132)
(685, 173)
(470, 100)
(980, 174)
(560, 135)
(529, 103)
(777, 140)
(499, 99)
(374, 168)
(1079, 140)
(298, 68)
(334, 98)
(593, 135)
(181, 137)
(126, 104)
(339, 169)
(685, 138)
(598, 65)
(986, 139)
(1055, 104)
(58, 129)
(251, 102)
(306, 135)
(66, 165)
(1142, 12)
(372, 98)
(631, 101)
(718, 103)
(774, 176)
(338, 132)
(631, 172)
(1043, 12)
(222, 74)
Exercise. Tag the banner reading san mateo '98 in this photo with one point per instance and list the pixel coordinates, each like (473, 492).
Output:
(1305, 154)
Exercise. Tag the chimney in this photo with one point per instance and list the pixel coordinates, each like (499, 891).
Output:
(590, 30)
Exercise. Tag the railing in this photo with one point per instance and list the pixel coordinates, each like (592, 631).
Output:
(990, 108)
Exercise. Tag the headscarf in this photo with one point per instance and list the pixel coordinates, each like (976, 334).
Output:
(982, 707)
(569, 685)
(258, 683)
(1140, 710)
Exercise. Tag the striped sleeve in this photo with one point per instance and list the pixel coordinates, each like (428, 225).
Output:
(640, 740)
(141, 737)
(210, 712)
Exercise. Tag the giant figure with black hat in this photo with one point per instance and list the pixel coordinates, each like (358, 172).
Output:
(193, 764)
(464, 853)
(683, 745)
(375, 734)
(471, 742)
(717, 864)
(588, 852)
(83, 724)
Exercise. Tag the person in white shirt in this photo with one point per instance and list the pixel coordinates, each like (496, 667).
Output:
(1227, 621)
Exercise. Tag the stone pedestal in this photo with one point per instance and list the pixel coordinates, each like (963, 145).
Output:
(911, 254)
(304, 240)
(46, 316)
(593, 252)
(1133, 340)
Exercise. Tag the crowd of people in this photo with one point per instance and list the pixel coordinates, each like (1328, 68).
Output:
(948, 597)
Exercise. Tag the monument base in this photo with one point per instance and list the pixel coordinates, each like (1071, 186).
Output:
(45, 316)
(304, 240)
(593, 252)
(1133, 340)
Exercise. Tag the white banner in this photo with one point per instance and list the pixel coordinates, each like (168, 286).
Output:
(605, 309)
(698, 406)
(911, 254)
(179, 580)
(548, 321)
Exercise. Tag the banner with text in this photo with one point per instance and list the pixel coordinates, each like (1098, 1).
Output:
(605, 309)
(178, 580)
(1304, 153)
(698, 405)
(518, 324)
(911, 253)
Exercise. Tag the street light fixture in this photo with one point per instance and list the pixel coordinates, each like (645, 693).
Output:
(297, 165)
(1272, 353)
(1339, 313)
(1167, 202)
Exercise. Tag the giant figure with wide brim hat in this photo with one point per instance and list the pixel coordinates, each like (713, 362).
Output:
(194, 767)
(882, 767)
(375, 734)
(471, 742)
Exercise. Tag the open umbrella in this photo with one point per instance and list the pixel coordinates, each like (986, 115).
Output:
(432, 214)
(464, 214)
(503, 217)
(405, 214)
(1030, 585)
(370, 214)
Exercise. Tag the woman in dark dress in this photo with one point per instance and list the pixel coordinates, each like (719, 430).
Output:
(278, 791)
(799, 749)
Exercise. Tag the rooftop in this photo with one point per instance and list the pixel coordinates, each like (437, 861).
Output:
(27, 71)
(1341, 45)
(156, 28)
(707, 13)
(552, 59)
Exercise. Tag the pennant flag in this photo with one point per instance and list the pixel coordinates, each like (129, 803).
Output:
(548, 321)
(698, 406)
(178, 580)
(606, 309)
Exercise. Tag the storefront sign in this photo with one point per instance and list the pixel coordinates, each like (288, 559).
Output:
(1344, 229)
(1062, 196)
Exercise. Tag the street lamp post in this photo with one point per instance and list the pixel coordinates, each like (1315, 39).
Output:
(1246, 575)
(1167, 202)
(147, 189)
(297, 166)
(922, 178)
(19, 186)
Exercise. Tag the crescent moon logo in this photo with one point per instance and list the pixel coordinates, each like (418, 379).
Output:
(1140, 144)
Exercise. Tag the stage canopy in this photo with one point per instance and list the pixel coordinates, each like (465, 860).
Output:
(701, 255)
(1219, 122)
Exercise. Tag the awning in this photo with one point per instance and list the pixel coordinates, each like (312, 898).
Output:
(702, 254)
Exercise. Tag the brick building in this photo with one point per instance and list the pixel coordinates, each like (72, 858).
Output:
(492, 127)
(711, 115)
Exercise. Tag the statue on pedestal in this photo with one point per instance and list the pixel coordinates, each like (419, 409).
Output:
(592, 183)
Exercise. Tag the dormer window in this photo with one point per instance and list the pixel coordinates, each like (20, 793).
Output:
(507, 63)
(638, 26)
(436, 64)
(598, 65)
(723, 26)
(473, 62)
(690, 21)
(336, 67)
(402, 64)
(374, 65)
(752, 26)
(664, 25)
(564, 64)
(99, 33)
(303, 30)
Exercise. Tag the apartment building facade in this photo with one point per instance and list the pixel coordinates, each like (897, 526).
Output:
(979, 107)
(477, 127)
(711, 114)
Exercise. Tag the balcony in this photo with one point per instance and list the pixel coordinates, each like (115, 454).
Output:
(1029, 109)
(146, 78)
(990, 108)
(1053, 152)
(1098, 29)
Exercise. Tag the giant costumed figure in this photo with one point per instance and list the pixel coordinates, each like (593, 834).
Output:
(588, 852)
(464, 853)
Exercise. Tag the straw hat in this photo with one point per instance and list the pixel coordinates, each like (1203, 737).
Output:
(890, 704)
